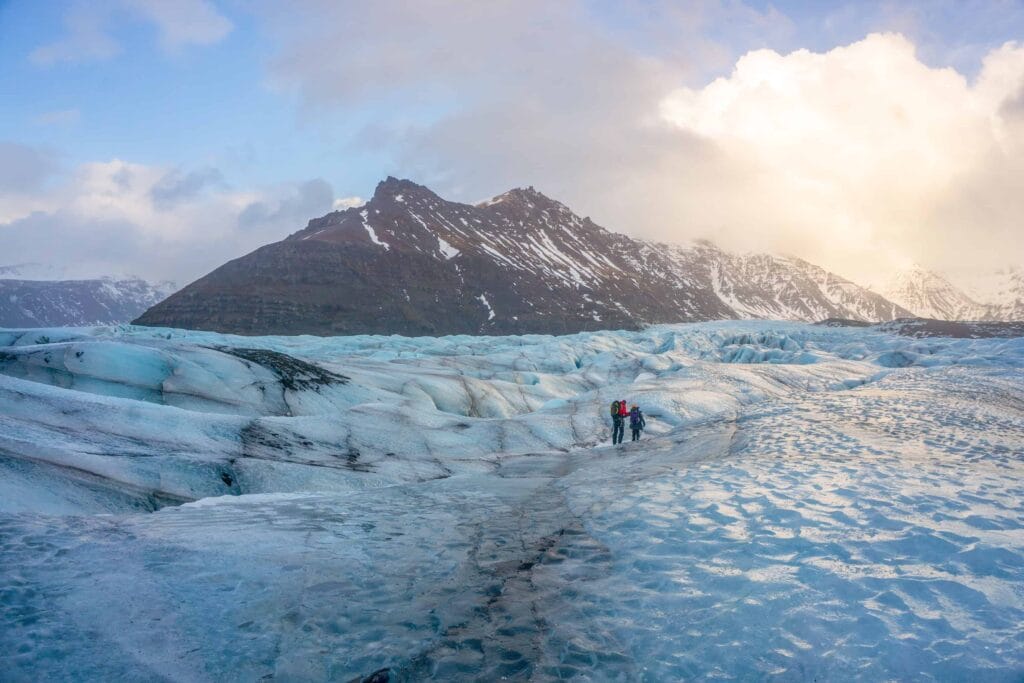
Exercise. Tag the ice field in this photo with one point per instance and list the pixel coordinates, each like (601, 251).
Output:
(807, 503)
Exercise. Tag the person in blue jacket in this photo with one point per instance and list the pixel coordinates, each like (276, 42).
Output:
(636, 421)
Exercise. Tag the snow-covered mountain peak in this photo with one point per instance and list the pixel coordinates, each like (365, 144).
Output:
(930, 295)
(918, 276)
(1007, 287)
(995, 295)
(1008, 295)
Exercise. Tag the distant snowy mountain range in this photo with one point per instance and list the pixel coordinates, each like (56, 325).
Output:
(929, 295)
(409, 262)
(30, 296)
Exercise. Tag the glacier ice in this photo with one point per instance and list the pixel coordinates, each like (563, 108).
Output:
(807, 503)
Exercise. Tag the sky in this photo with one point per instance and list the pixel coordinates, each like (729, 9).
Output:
(163, 138)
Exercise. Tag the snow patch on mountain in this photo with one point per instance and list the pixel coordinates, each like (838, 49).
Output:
(448, 251)
(487, 305)
(373, 233)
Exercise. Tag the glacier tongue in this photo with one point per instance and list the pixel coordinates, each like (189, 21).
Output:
(807, 502)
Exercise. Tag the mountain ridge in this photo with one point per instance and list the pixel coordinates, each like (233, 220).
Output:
(410, 262)
(76, 303)
(929, 294)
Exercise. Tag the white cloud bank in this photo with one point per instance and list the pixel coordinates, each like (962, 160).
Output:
(122, 218)
(863, 157)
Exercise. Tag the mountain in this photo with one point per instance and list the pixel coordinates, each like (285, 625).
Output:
(409, 262)
(786, 288)
(929, 295)
(1007, 298)
(59, 303)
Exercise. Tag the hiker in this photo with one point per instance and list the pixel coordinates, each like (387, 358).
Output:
(636, 421)
(618, 421)
(624, 413)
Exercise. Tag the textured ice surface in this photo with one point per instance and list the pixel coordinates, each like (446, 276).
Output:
(807, 503)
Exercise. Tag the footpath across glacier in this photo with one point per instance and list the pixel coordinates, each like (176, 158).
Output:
(808, 503)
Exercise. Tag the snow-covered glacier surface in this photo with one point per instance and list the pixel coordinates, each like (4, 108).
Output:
(807, 503)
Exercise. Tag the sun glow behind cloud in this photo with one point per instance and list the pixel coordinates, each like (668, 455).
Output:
(865, 154)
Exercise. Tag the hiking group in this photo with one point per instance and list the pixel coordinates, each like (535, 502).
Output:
(620, 412)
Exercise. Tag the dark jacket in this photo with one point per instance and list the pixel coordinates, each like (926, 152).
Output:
(636, 419)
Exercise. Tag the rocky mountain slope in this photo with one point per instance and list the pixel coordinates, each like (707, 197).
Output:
(57, 303)
(409, 262)
(786, 288)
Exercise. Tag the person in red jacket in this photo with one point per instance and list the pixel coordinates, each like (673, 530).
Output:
(618, 423)
(620, 413)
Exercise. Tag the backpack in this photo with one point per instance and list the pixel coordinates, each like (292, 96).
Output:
(615, 408)
(636, 419)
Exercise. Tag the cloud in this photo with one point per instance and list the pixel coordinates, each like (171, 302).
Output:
(79, 246)
(450, 54)
(863, 157)
(183, 22)
(307, 200)
(175, 186)
(59, 117)
(24, 168)
(89, 27)
(86, 37)
(120, 218)
(860, 158)
(491, 95)
(347, 203)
